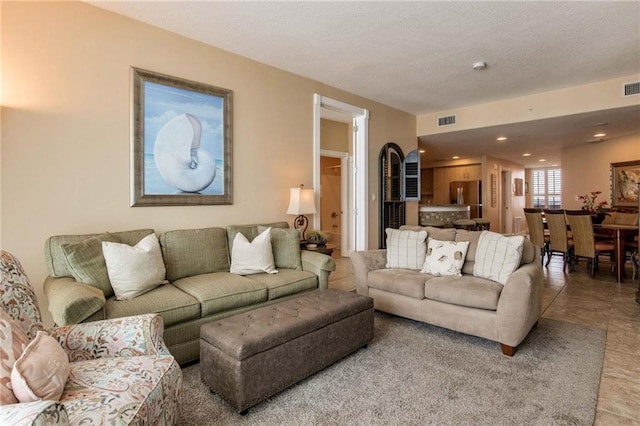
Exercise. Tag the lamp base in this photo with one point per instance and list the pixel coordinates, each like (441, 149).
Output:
(301, 223)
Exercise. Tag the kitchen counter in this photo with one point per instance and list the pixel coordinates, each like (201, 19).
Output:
(446, 213)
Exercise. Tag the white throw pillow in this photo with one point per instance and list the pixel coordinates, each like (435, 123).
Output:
(406, 249)
(134, 270)
(497, 256)
(252, 257)
(445, 258)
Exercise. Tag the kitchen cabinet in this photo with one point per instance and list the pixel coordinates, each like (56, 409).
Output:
(443, 176)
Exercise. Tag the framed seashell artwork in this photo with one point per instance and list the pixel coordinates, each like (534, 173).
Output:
(181, 141)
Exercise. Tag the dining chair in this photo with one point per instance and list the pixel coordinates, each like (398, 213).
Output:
(536, 230)
(559, 242)
(585, 246)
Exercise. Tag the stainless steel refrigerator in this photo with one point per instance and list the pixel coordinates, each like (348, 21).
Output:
(468, 192)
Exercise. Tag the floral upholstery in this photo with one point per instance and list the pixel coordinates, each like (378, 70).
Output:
(121, 371)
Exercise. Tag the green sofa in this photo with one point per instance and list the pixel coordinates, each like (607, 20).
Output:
(200, 288)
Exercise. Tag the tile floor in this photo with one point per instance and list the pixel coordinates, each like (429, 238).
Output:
(601, 303)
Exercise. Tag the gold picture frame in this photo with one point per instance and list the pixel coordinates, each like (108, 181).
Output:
(625, 177)
(181, 141)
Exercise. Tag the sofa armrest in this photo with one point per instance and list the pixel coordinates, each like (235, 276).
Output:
(364, 262)
(70, 301)
(320, 264)
(520, 304)
(34, 413)
(120, 337)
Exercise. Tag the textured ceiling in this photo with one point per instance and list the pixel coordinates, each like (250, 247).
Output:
(417, 56)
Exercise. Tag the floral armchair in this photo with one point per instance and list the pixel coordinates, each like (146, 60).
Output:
(120, 371)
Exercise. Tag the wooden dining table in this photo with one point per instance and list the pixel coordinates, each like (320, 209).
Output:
(619, 233)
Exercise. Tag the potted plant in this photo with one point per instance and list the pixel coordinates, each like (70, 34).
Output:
(316, 237)
(598, 210)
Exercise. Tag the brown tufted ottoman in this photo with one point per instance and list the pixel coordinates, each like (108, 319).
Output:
(250, 356)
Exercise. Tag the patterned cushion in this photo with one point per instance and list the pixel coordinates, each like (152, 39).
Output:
(497, 256)
(445, 257)
(87, 264)
(13, 341)
(286, 247)
(98, 391)
(15, 287)
(406, 249)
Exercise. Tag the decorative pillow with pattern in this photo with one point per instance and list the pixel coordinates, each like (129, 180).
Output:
(406, 249)
(497, 256)
(41, 371)
(445, 258)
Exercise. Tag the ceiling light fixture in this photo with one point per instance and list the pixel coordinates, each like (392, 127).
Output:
(455, 157)
(542, 160)
(502, 138)
(422, 151)
(479, 65)
(599, 135)
(526, 154)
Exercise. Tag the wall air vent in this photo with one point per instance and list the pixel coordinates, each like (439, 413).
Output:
(446, 121)
(631, 89)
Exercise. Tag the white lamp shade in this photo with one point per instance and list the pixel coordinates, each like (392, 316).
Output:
(301, 201)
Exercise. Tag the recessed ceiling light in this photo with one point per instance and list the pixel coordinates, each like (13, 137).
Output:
(422, 151)
(542, 160)
(599, 135)
(502, 138)
(455, 157)
(526, 154)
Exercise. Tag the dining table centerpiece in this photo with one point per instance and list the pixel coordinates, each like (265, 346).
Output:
(597, 209)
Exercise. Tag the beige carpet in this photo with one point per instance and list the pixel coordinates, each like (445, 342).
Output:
(416, 374)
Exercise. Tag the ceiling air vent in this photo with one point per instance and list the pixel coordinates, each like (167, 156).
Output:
(446, 121)
(631, 89)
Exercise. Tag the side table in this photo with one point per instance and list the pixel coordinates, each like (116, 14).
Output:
(324, 249)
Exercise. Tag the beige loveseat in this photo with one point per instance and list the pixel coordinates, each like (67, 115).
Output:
(468, 304)
(200, 288)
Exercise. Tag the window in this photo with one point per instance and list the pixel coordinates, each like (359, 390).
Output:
(547, 185)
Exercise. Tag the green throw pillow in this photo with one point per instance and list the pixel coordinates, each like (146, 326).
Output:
(87, 262)
(286, 247)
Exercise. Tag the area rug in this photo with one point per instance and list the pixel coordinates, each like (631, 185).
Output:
(416, 374)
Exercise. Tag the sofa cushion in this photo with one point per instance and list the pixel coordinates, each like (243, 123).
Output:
(405, 249)
(222, 291)
(442, 234)
(472, 237)
(253, 257)
(497, 256)
(286, 247)
(399, 281)
(174, 305)
(466, 290)
(529, 251)
(249, 231)
(444, 258)
(56, 260)
(190, 252)
(286, 282)
(134, 270)
(87, 263)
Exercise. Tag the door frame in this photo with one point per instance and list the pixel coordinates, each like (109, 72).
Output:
(357, 228)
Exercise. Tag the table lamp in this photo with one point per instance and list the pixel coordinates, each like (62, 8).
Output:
(301, 202)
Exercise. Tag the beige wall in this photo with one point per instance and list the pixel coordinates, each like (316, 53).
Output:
(586, 168)
(335, 136)
(66, 133)
(573, 100)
